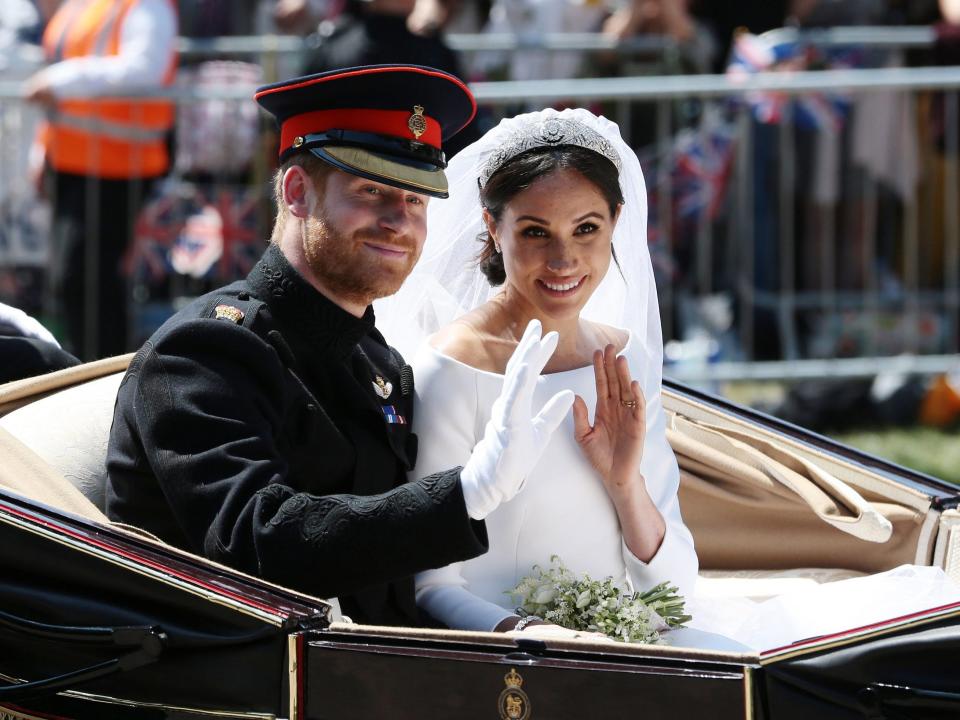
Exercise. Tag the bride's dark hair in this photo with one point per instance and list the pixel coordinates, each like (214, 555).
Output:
(521, 172)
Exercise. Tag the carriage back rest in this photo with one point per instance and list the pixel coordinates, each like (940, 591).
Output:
(69, 430)
(752, 501)
(23, 392)
(26, 474)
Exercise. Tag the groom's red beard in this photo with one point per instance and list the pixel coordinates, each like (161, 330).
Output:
(340, 263)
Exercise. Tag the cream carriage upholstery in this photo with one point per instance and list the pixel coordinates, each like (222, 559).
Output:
(70, 430)
(53, 434)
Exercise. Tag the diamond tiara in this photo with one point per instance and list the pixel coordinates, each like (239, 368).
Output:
(548, 133)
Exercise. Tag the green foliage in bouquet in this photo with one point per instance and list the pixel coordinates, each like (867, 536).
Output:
(558, 596)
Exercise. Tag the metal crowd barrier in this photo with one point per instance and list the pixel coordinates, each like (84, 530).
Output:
(460, 42)
(867, 36)
(785, 269)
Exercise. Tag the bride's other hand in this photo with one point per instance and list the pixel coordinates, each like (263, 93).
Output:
(613, 445)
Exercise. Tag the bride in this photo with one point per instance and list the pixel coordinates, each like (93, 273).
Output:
(559, 201)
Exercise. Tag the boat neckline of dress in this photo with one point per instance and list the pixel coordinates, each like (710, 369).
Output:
(439, 354)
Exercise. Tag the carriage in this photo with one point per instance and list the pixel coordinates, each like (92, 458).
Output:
(100, 620)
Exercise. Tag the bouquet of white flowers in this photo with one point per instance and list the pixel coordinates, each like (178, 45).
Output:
(558, 596)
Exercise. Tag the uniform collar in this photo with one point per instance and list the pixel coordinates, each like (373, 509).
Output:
(307, 315)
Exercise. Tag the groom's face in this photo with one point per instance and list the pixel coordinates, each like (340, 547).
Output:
(362, 237)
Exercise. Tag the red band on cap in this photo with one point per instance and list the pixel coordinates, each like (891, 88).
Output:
(376, 71)
(395, 123)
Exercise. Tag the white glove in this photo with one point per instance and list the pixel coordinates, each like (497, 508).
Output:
(24, 325)
(514, 439)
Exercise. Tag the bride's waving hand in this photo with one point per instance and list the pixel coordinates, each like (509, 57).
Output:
(613, 445)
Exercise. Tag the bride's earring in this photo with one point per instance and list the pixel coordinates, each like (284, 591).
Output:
(496, 246)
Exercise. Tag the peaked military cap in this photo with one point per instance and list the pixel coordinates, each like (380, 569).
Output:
(382, 122)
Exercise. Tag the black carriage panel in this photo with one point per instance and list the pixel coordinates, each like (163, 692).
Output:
(350, 676)
(127, 635)
(905, 673)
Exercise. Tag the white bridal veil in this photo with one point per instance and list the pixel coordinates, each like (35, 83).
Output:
(447, 282)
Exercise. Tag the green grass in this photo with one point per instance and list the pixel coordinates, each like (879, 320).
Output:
(928, 450)
(932, 451)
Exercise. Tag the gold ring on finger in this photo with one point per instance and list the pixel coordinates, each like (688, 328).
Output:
(629, 403)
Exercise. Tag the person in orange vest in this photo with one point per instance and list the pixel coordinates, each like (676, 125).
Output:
(101, 155)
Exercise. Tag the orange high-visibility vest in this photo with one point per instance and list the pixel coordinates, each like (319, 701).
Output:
(103, 138)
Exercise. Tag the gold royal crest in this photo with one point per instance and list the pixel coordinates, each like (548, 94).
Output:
(417, 122)
(514, 703)
(382, 387)
(228, 312)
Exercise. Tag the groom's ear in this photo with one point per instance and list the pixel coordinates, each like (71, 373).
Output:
(297, 189)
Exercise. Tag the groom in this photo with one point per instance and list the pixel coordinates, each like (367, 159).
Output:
(268, 425)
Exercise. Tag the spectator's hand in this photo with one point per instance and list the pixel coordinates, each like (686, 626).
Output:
(37, 90)
(621, 24)
(661, 17)
(427, 18)
(295, 16)
(47, 8)
(36, 167)
(950, 10)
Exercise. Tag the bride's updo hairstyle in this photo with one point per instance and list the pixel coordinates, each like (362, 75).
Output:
(522, 171)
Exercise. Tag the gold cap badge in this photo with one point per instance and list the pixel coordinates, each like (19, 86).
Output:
(228, 312)
(417, 122)
(514, 703)
(298, 141)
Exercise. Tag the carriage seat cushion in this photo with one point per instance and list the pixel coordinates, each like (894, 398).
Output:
(69, 430)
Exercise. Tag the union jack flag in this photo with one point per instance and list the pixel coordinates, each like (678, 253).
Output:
(703, 159)
(243, 242)
(753, 54)
(203, 232)
(156, 229)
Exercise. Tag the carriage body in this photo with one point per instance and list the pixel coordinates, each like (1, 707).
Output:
(100, 621)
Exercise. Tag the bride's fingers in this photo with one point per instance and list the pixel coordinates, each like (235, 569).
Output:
(613, 380)
(640, 411)
(600, 373)
(581, 419)
(626, 384)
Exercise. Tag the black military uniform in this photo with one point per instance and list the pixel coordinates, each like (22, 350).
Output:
(268, 429)
(265, 427)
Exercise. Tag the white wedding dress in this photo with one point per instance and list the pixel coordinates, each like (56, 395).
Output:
(563, 508)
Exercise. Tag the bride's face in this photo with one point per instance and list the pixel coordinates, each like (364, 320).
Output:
(555, 237)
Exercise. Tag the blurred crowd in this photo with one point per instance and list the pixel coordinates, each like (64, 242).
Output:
(119, 245)
(699, 30)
